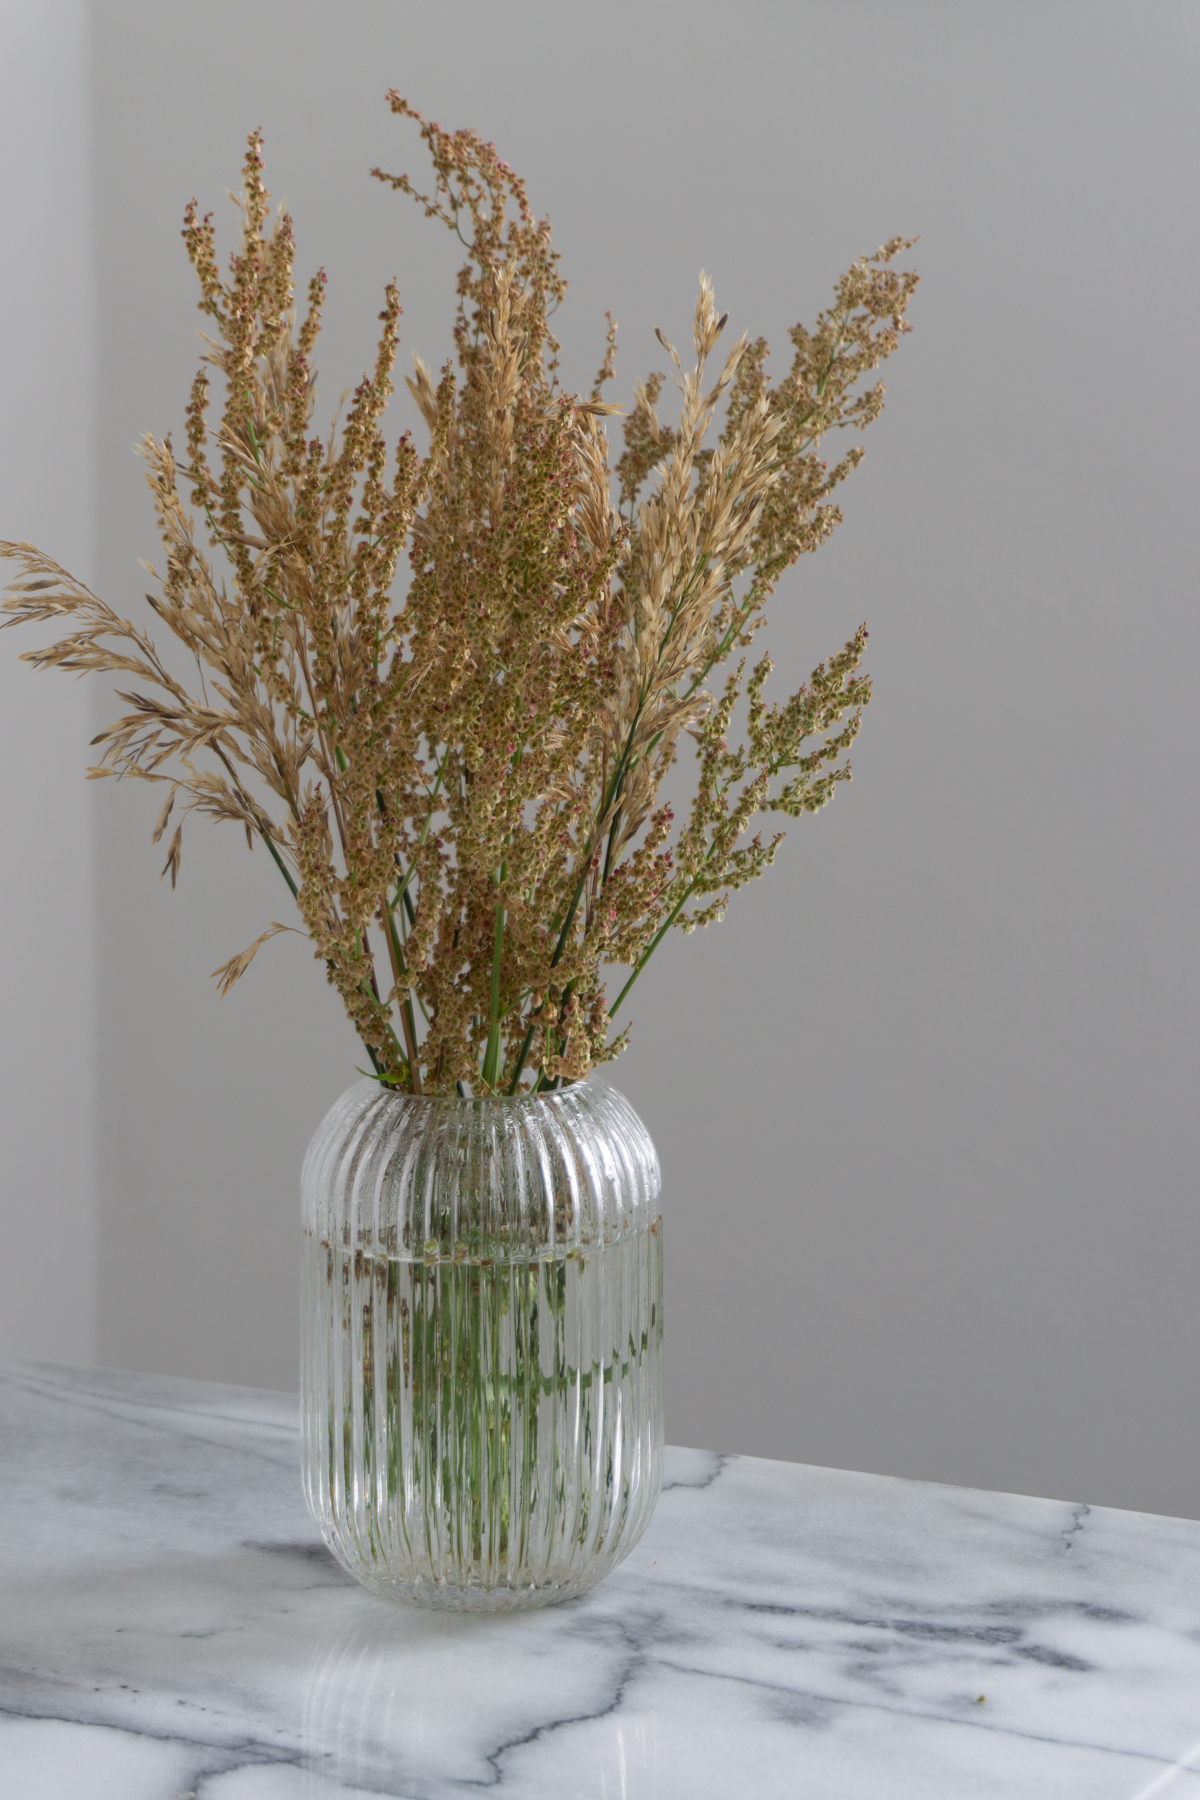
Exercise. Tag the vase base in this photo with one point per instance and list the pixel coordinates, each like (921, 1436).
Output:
(433, 1596)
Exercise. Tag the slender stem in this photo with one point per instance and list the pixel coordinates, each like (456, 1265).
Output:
(369, 986)
(258, 815)
(283, 868)
(295, 892)
(719, 654)
(405, 918)
(491, 1060)
(399, 971)
(396, 950)
(608, 854)
(410, 1037)
(609, 798)
(606, 803)
(526, 1045)
(655, 941)
(310, 686)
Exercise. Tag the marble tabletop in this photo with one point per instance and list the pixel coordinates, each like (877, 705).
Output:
(171, 1626)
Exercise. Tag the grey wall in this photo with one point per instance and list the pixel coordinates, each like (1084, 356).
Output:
(925, 1102)
(48, 1291)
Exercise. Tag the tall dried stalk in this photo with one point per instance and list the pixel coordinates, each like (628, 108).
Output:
(460, 786)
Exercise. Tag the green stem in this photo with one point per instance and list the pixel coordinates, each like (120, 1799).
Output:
(607, 800)
(526, 1044)
(369, 987)
(491, 1060)
(608, 854)
(655, 941)
(295, 892)
(399, 969)
(283, 869)
(614, 789)
(407, 920)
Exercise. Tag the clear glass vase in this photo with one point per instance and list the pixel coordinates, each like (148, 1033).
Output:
(482, 1342)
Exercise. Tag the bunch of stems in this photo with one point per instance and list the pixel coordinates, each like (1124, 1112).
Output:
(458, 777)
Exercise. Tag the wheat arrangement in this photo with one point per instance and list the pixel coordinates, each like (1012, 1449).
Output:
(460, 782)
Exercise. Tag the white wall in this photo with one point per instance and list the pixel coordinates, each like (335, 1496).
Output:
(926, 1101)
(47, 872)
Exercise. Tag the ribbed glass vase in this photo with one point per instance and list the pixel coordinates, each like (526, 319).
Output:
(482, 1342)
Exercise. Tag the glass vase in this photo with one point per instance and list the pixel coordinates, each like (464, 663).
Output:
(482, 1342)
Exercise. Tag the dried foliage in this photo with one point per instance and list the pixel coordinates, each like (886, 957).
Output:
(460, 786)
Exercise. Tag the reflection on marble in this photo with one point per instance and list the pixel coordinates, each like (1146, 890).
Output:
(171, 1626)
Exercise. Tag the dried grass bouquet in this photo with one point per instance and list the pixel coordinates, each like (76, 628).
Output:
(459, 783)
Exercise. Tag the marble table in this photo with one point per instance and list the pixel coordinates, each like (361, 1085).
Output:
(171, 1627)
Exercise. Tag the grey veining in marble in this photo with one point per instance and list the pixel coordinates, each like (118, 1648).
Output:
(171, 1626)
